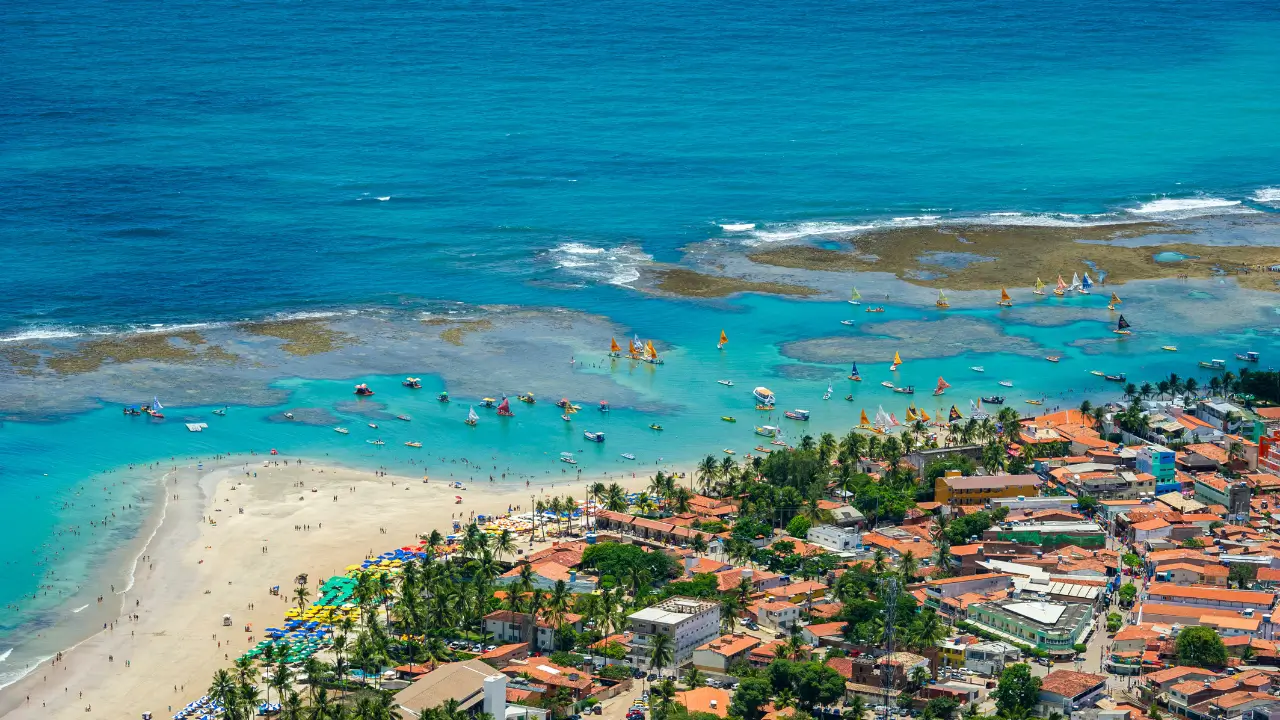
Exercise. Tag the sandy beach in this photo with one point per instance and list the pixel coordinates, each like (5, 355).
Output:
(228, 536)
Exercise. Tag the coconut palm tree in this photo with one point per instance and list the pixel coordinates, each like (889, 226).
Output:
(727, 466)
(616, 498)
(827, 448)
(301, 595)
(708, 470)
(660, 651)
(505, 542)
(908, 565)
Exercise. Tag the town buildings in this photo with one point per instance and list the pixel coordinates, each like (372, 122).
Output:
(689, 622)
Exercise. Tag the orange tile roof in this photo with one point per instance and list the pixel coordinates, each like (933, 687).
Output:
(967, 578)
(701, 699)
(1136, 632)
(1149, 525)
(1208, 450)
(1163, 676)
(1069, 683)
(1209, 593)
(730, 645)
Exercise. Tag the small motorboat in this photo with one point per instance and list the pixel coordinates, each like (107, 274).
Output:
(221, 412)
(887, 384)
(764, 396)
(1213, 364)
(288, 416)
(1099, 373)
(412, 383)
(1005, 383)
(565, 417)
(363, 390)
(994, 400)
(568, 458)
(526, 398)
(375, 442)
(767, 430)
(1035, 402)
(373, 425)
(342, 430)
(977, 368)
(905, 390)
(1170, 348)
(849, 397)
(763, 449)
(655, 426)
(405, 418)
(413, 444)
(728, 418)
(628, 456)
(443, 396)
(765, 408)
(876, 309)
(777, 442)
(727, 451)
(801, 415)
(1247, 357)
(846, 322)
(726, 383)
(1053, 358)
(1114, 378)
(593, 436)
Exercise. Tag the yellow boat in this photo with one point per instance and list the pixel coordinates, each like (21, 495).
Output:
(1035, 402)
(942, 302)
(728, 418)
(1170, 348)
(414, 444)
(727, 451)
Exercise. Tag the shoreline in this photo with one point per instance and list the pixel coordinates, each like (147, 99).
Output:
(183, 550)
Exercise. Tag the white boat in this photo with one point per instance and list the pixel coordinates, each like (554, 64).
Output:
(375, 442)
(373, 425)
(827, 395)
(344, 431)
(1006, 383)
(764, 395)
(629, 456)
(593, 436)
(887, 384)
(568, 458)
(977, 368)
(846, 322)
(1075, 282)
(288, 416)
(767, 430)
(472, 417)
(726, 383)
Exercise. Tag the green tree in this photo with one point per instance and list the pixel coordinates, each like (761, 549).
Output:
(1242, 574)
(1127, 594)
(799, 527)
(750, 698)
(1200, 647)
(660, 651)
(1017, 692)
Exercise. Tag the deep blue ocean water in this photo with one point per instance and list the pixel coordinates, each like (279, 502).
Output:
(190, 162)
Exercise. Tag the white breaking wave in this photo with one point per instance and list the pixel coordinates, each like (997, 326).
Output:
(79, 609)
(1183, 208)
(5, 655)
(165, 328)
(1267, 196)
(51, 333)
(737, 227)
(616, 266)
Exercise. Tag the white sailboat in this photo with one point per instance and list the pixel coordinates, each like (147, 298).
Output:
(472, 417)
(1075, 282)
(827, 394)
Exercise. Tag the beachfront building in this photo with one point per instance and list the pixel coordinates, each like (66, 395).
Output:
(515, 627)
(476, 686)
(1051, 626)
(977, 490)
(689, 622)
(1222, 415)
(1157, 461)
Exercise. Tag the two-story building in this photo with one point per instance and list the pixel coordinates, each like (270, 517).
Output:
(977, 490)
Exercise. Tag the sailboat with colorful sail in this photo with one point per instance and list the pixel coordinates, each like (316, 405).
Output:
(472, 417)
(1122, 327)
(942, 386)
(954, 415)
(633, 348)
(882, 420)
(650, 354)
(924, 416)
(911, 413)
(1115, 300)
(614, 350)
(1061, 289)
(863, 422)
(1086, 284)
(1005, 300)
(897, 360)
(855, 297)
(724, 340)
(942, 302)
(1039, 287)
(853, 373)
(504, 408)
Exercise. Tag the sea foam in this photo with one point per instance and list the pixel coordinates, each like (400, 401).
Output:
(1182, 208)
(615, 266)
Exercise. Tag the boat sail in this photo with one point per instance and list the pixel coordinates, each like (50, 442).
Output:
(1122, 327)
(897, 360)
(1039, 287)
(1062, 287)
(155, 403)
(504, 408)
(614, 350)
(863, 422)
(882, 418)
(893, 421)
(954, 415)
(1115, 300)
(1075, 281)
(650, 354)
(1086, 284)
(853, 373)
(911, 413)
(942, 301)
(472, 417)
(632, 351)
(854, 297)
(724, 339)
(942, 386)
(924, 416)
(1005, 300)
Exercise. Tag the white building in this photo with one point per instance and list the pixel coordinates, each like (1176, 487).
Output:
(835, 539)
(689, 622)
(990, 658)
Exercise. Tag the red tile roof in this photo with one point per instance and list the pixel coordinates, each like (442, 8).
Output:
(1069, 683)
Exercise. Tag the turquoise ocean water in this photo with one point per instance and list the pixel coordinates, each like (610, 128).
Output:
(207, 162)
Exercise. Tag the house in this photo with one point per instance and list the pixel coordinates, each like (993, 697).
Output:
(1154, 529)
(689, 622)
(1208, 597)
(976, 490)
(819, 634)
(476, 686)
(835, 538)
(705, 699)
(1180, 573)
(1049, 535)
(542, 671)
(547, 573)
(1157, 461)
(1234, 496)
(937, 592)
(990, 658)
(802, 593)
(504, 655)
(514, 627)
(777, 615)
(717, 655)
(1160, 682)
(1066, 691)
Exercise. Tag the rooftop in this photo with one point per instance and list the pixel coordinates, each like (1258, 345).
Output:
(1069, 683)
(990, 482)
